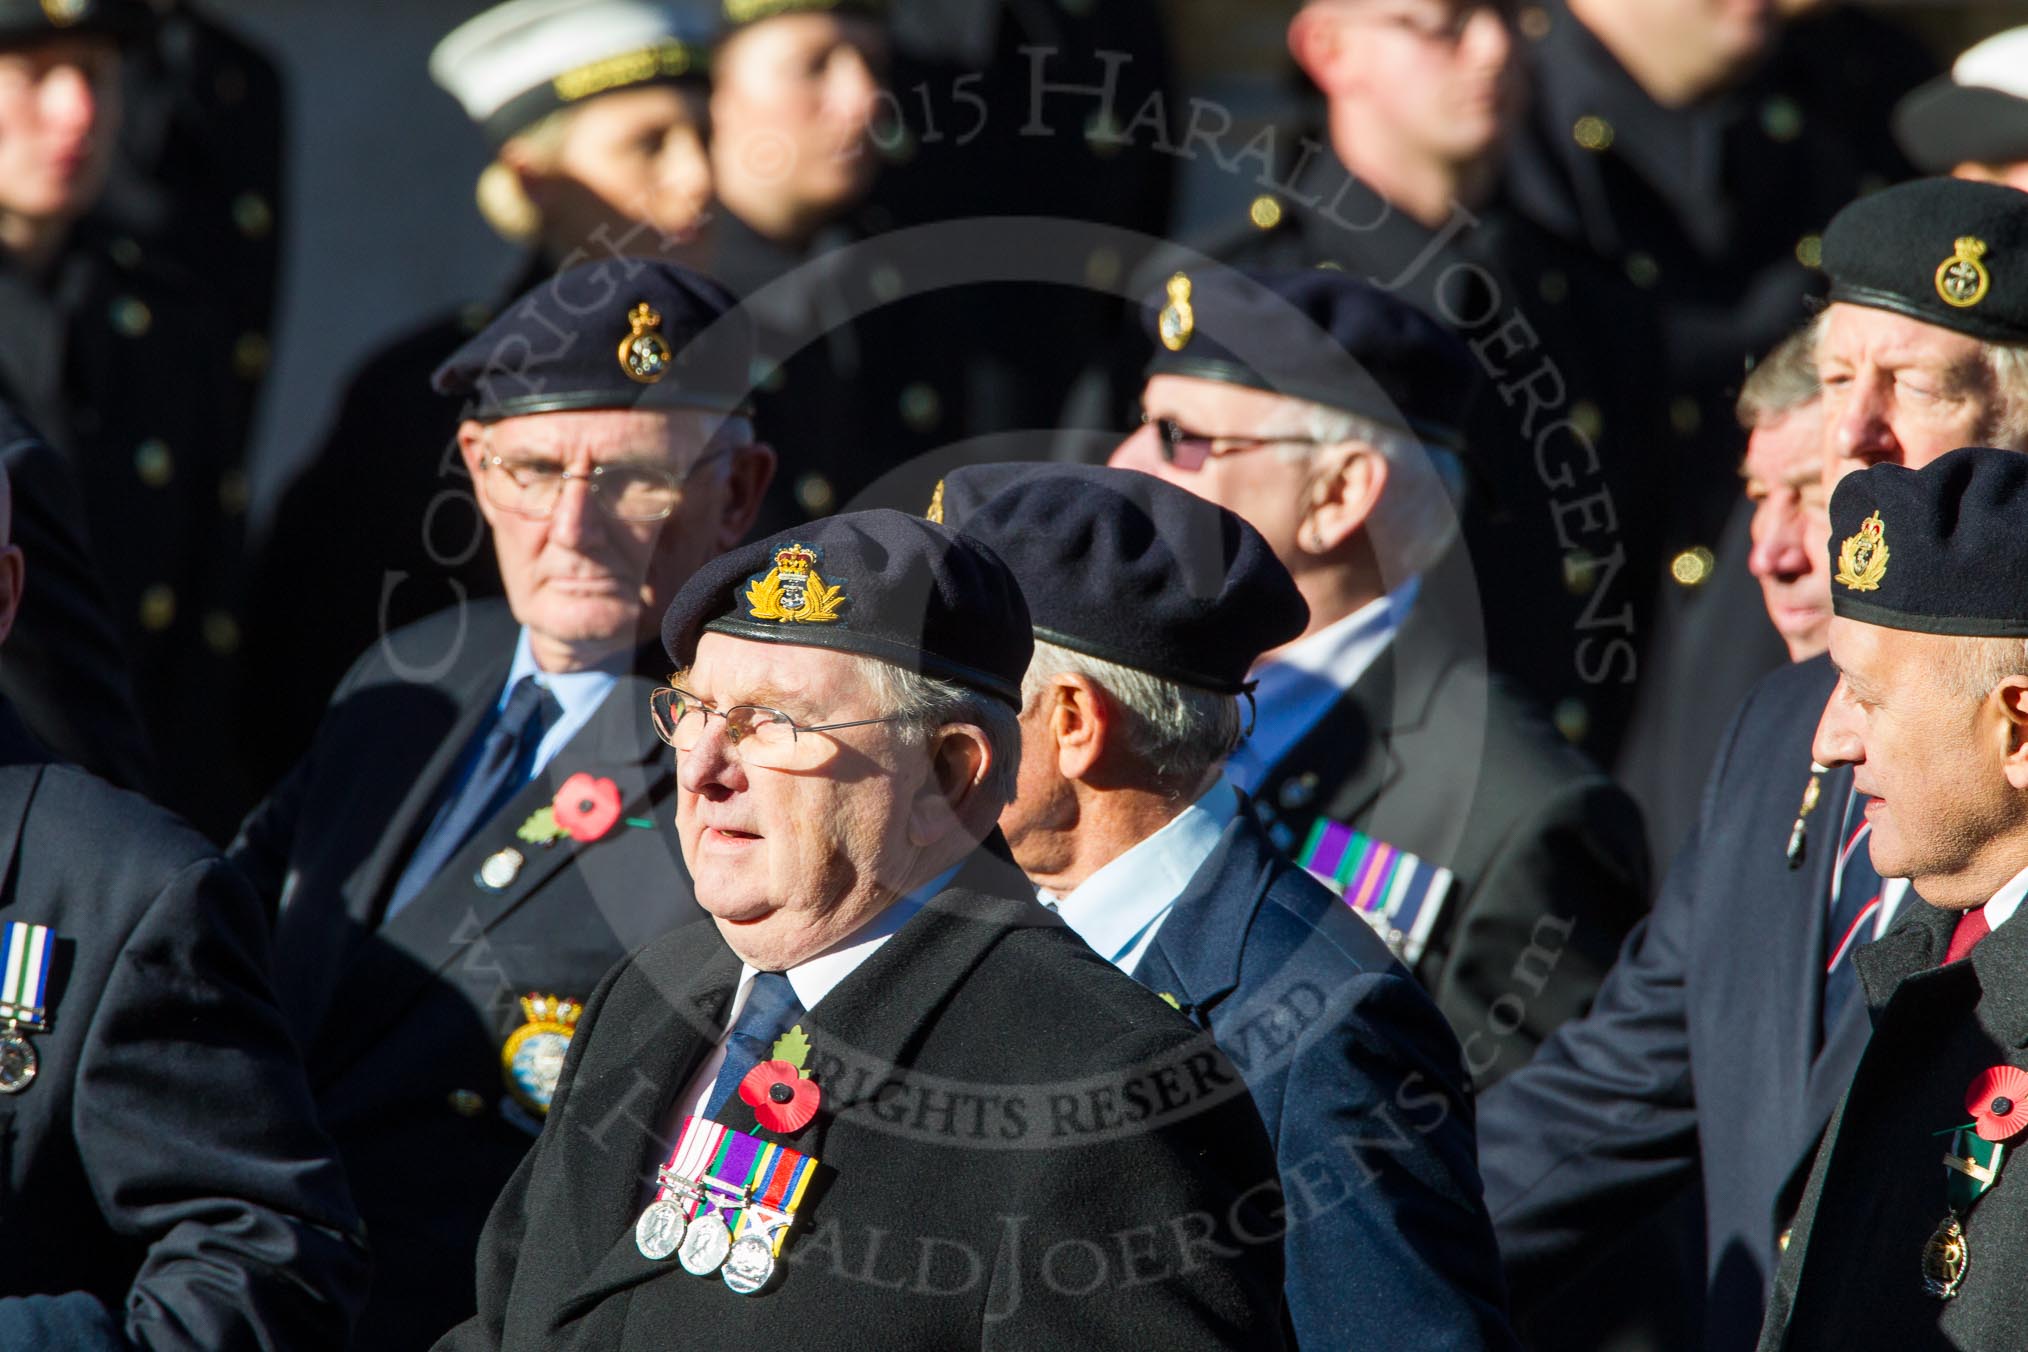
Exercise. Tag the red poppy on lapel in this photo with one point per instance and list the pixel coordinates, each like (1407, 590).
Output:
(782, 1098)
(1997, 1099)
(587, 807)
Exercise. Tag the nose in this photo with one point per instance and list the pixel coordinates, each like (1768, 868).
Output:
(1861, 431)
(1488, 42)
(1780, 549)
(852, 88)
(70, 101)
(570, 521)
(1837, 741)
(709, 769)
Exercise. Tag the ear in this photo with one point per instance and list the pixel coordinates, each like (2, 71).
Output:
(1078, 721)
(2010, 697)
(1351, 477)
(530, 172)
(1319, 44)
(960, 759)
(13, 574)
(752, 470)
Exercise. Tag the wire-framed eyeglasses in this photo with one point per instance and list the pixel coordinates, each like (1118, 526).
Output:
(627, 491)
(761, 736)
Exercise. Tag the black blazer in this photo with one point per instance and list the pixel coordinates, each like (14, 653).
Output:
(1005, 1115)
(1702, 1059)
(1849, 1277)
(163, 1181)
(1359, 1082)
(403, 1023)
(1430, 755)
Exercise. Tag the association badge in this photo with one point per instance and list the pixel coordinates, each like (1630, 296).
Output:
(1862, 559)
(644, 352)
(500, 869)
(531, 1059)
(793, 591)
(1962, 278)
(1177, 320)
(724, 1205)
(24, 984)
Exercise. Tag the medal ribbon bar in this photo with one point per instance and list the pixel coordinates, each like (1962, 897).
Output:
(24, 974)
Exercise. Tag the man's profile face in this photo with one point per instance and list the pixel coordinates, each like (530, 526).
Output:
(1899, 390)
(1791, 524)
(59, 120)
(792, 105)
(790, 861)
(580, 577)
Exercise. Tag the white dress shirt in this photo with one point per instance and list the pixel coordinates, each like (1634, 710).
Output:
(1118, 910)
(1299, 686)
(578, 694)
(2007, 900)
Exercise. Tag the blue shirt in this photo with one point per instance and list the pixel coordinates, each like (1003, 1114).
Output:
(577, 693)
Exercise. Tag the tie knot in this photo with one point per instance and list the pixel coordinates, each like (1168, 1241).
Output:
(528, 701)
(771, 1008)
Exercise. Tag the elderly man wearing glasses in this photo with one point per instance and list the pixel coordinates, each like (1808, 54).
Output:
(1500, 866)
(462, 853)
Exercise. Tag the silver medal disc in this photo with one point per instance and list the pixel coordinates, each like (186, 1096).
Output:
(749, 1264)
(659, 1232)
(17, 1062)
(705, 1245)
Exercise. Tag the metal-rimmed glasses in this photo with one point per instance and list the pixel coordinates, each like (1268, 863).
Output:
(1188, 450)
(627, 491)
(762, 736)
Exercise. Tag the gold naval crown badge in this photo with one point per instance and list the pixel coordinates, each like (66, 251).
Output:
(1862, 558)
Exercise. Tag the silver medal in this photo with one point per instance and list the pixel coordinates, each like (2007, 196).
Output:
(749, 1264)
(18, 1062)
(704, 1245)
(659, 1232)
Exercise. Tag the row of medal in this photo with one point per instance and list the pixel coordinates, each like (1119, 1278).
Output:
(724, 1203)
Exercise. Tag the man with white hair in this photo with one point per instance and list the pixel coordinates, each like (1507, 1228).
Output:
(1326, 414)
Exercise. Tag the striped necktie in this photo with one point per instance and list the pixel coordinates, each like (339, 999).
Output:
(1854, 901)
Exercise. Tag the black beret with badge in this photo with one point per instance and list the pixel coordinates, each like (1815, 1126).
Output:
(1945, 251)
(1318, 335)
(30, 20)
(516, 63)
(1937, 550)
(1132, 570)
(882, 584)
(618, 333)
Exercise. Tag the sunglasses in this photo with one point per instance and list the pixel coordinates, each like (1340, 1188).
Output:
(1188, 450)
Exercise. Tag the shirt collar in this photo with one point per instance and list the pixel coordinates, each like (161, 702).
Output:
(813, 978)
(1112, 908)
(2007, 900)
(577, 692)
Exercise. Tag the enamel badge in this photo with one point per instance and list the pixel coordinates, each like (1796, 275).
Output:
(793, 591)
(644, 353)
(1962, 278)
(1862, 559)
(1177, 320)
(531, 1059)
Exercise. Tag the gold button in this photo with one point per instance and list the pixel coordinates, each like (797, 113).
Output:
(1580, 571)
(1781, 119)
(132, 318)
(1692, 568)
(1592, 132)
(221, 633)
(1102, 134)
(153, 463)
(1573, 720)
(465, 1103)
(1587, 418)
(814, 491)
(1533, 23)
(233, 493)
(1685, 416)
(1810, 251)
(1265, 212)
(158, 607)
(920, 407)
(1642, 270)
(252, 214)
(250, 356)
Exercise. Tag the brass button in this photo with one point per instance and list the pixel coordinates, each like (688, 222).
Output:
(252, 214)
(1587, 418)
(814, 491)
(1692, 568)
(158, 607)
(1580, 571)
(250, 356)
(1265, 212)
(1642, 270)
(1781, 119)
(131, 317)
(1810, 251)
(1592, 132)
(1573, 720)
(465, 1103)
(1533, 23)
(153, 463)
(221, 633)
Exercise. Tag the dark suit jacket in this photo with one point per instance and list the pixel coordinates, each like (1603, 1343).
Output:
(1021, 1148)
(1850, 1275)
(1428, 754)
(1360, 1084)
(402, 1024)
(163, 1182)
(1702, 1054)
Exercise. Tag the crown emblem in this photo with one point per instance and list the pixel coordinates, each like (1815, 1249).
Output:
(644, 352)
(1962, 279)
(1862, 559)
(1177, 321)
(531, 1060)
(793, 591)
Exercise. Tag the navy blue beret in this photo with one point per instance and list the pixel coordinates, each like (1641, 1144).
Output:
(618, 333)
(1133, 570)
(27, 20)
(1938, 550)
(1319, 335)
(881, 583)
(1942, 250)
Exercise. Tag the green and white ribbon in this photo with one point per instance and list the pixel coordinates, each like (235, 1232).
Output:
(24, 974)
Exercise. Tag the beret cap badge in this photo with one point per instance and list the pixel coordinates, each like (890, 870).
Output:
(793, 591)
(1961, 279)
(1178, 321)
(1862, 558)
(644, 352)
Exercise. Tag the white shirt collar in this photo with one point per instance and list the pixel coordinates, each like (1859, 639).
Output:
(814, 978)
(577, 693)
(1118, 908)
(1300, 684)
(2007, 900)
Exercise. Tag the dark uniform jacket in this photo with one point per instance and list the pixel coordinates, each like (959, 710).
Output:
(1020, 1148)
(1430, 755)
(1702, 1056)
(403, 1023)
(1850, 1276)
(163, 1182)
(1360, 1084)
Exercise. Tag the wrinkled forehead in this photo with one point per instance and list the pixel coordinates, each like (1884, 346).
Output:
(1861, 332)
(606, 433)
(788, 676)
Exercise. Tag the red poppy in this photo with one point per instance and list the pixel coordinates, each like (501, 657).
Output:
(586, 807)
(780, 1096)
(1997, 1099)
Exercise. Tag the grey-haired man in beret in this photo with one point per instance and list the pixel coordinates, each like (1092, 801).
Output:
(884, 1099)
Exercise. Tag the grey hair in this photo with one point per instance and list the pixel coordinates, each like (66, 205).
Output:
(1784, 380)
(1980, 665)
(1417, 517)
(2009, 365)
(1178, 734)
(924, 704)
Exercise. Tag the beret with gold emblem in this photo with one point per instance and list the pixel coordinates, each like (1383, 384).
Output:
(1945, 251)
(881, 583)
(30, 20)
(1937, 550)
(621, 333)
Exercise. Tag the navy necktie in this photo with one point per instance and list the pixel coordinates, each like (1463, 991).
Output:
(1855, 902)
(503, 766)
(771, 1010)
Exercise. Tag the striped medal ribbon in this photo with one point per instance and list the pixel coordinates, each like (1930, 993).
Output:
(24, 983)
(733, 1197)
(1399, 894)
